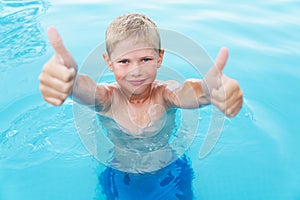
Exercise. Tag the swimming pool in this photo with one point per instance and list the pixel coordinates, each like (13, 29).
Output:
(256, 157)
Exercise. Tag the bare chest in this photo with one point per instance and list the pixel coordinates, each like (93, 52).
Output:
(140, 118)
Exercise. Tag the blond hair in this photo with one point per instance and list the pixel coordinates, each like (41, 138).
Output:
(133, 25)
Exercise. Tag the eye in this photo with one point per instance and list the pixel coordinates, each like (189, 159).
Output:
(147, 59)
(124, 61)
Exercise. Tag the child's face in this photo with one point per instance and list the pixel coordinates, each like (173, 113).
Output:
(134, 65)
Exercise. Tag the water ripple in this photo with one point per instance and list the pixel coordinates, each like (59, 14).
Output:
(37, 134)
(21, 40)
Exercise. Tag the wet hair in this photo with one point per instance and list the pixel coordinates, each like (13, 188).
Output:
(132, 25)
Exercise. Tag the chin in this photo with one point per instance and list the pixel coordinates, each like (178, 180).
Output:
(140, 90)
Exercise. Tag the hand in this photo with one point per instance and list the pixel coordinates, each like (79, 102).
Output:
(223, 91)
(58, 74)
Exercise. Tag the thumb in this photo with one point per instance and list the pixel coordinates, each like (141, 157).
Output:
(214, 75)
(56, 42)
(221, 59)
(60, 49)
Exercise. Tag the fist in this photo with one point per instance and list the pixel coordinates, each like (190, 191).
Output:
(223, 91)
(58, 74)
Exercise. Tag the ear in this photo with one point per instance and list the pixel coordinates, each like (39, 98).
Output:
(108, 62)
(160, 57)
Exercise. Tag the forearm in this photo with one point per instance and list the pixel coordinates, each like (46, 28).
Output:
(86, 91)
(194, 93)
(189, 95)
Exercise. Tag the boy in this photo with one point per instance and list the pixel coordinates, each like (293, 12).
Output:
(137, 100)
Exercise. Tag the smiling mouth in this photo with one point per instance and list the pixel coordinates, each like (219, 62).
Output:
(136, 82)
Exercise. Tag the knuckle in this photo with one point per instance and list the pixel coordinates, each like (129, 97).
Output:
(47, 99)
(57, 103)
(41, 88)
(66, 88)
(68, 76)
(228, 111)
(44, 97)
(235, 83)
(241, 93)
(63, 96)
(231, 115)
(46, 66)
(73, 72)
(41, 77)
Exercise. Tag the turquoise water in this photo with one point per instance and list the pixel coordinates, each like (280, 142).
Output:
(257, 155)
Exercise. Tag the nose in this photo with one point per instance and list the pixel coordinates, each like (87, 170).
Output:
(135, 70)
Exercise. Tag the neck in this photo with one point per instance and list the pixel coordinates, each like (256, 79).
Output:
(138, 98)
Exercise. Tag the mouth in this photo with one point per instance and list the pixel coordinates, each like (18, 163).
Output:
(137, 82)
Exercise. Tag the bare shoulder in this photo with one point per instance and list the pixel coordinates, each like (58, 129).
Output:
(113, 85)
(167, 87)
(108, 88)
(104, 94)
(170, 85)
(166, 91)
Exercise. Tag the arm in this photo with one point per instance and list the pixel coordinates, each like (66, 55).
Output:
(59, 78)
(86, 91)
(189, 95)
(216, 88)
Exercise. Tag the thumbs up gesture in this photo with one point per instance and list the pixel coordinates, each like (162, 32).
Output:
(58, 74)
(223, 91)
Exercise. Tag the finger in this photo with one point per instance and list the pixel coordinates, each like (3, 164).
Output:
(61, 51)
(235, 108)
(60, 72)
(221, 60)
(213, 78)
(226, 89)
(218, 100)
(235, 97)
(58, 85)
(218, 95)
(57, 98)
(54, 101)
(56, 42)
(230, 86)
(226, 103)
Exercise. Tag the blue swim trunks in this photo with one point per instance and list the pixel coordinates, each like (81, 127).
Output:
(170, 183)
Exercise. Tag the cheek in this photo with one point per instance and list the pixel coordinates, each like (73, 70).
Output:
(119, 74)
(152, 71)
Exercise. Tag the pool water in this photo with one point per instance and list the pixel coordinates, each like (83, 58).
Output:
(257, 155)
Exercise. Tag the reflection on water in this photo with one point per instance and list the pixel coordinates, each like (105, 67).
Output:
(20, 32)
